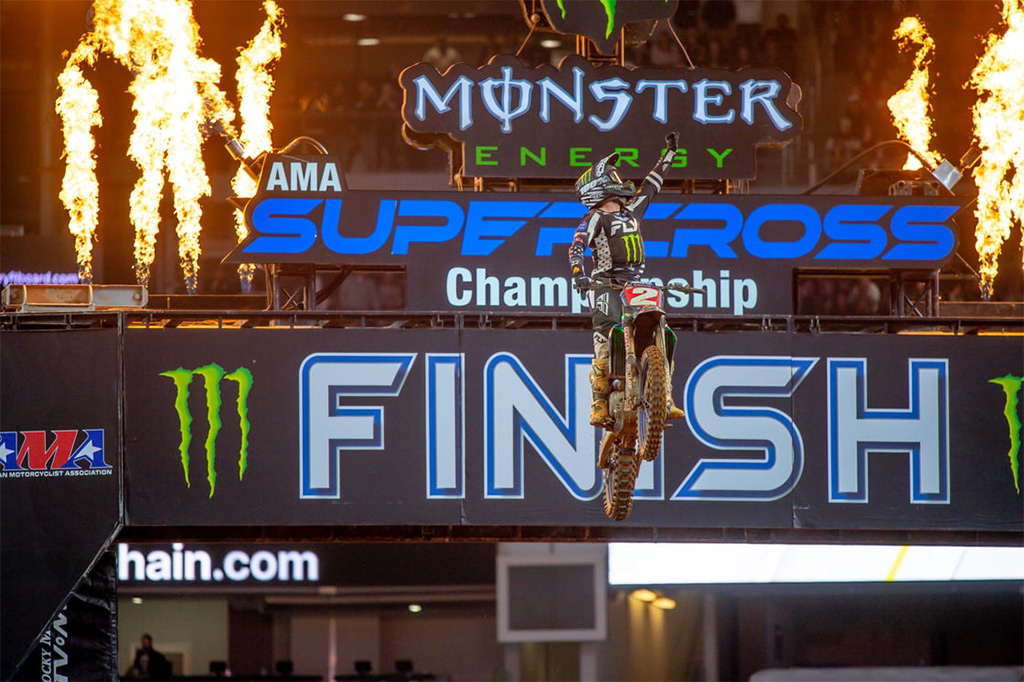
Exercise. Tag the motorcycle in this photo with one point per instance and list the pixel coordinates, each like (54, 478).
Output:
(641, 351)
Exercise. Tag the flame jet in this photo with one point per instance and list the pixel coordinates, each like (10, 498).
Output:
(910, 107)
(79, 110)
(255, 86)
(175, 94)
(999, 134)
(176, 98)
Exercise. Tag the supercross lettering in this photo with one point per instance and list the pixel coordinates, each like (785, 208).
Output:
(854, 233)
(73, 452)
(212, 376)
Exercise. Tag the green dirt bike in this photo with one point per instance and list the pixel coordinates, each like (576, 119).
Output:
(641, 350)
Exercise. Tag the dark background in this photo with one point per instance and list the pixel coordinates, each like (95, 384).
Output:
(839, 43)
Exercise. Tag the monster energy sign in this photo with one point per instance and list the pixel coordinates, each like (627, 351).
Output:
(513, 121)
(600, 20)
(1012, 388)
(213, 375)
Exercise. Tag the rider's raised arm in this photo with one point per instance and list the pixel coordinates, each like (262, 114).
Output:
(655, 179)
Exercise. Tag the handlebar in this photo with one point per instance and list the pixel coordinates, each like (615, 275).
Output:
(685, 288)
(671, 286)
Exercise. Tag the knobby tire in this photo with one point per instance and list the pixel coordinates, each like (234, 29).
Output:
(654, 391)
(619, 482)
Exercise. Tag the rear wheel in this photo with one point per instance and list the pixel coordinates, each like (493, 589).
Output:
(619, 482)
(654, 407)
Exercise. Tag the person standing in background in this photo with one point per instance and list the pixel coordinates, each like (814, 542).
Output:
(149, 664)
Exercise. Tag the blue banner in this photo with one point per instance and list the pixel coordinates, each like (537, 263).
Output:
(508, 252)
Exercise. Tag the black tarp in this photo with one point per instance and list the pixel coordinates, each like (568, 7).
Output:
(60, 472)
(81, 641)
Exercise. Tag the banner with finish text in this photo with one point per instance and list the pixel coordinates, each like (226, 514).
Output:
(489, 427)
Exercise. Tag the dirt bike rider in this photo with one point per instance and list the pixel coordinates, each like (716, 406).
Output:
(611, 228)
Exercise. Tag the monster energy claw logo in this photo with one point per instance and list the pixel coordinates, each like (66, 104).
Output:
(634, 247)
(212, 375)
(613, 17)
(609, 11)
(1012, 388)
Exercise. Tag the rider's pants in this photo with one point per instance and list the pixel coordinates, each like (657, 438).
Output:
(606, 312)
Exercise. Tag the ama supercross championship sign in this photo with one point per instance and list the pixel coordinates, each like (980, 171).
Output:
(508, 252)
(516, 122)
(490, 427)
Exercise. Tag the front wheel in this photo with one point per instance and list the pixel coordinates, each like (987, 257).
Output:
(654, 407)
(619, 482)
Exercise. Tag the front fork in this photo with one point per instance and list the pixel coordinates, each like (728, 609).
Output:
(625, 363)
(622, 355)
(622, 352)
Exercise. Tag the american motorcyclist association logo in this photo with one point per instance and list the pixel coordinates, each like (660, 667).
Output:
(213, 376)
(1011, 386)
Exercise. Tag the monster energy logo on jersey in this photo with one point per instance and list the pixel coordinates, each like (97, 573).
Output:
(1012, 388)
(634, 248)
(213, 375)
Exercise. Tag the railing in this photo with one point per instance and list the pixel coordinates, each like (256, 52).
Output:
(248, 319)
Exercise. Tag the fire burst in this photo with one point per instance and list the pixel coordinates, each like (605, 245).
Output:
(176, 99)
(255, 86)
(79, 109)
(999, 134)
(910, 106)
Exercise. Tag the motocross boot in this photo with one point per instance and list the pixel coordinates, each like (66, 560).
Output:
(600, 386)
(674, 412)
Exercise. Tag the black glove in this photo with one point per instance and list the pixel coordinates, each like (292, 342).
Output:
(581, 283)
(672, 142)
